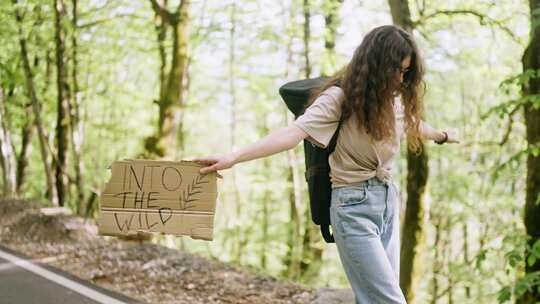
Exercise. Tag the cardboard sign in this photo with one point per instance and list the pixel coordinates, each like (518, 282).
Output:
(158, 196)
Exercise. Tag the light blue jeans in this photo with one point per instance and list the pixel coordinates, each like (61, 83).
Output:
(365, 223)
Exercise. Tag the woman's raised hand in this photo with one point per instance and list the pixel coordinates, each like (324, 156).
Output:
(216, 162)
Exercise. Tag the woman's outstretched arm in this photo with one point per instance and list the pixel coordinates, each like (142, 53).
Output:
(430, 133)
(275, 142)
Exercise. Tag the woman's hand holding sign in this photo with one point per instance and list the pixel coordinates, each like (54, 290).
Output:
(216, 162)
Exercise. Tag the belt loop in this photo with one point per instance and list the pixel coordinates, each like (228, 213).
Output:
(371, 182)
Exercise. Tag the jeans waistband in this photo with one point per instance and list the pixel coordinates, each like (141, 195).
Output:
(372, 181)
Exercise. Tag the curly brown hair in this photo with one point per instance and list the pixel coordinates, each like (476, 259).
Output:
(369, 83)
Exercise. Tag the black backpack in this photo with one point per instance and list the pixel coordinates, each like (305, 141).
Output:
(296, 95)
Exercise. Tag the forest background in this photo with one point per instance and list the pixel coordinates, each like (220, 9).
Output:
(87, 82)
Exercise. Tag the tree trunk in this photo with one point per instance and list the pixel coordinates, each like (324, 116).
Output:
(401, 15)
(30, 88)
(448, 257)
(171, 102)
(466, 256)
(331, 21)
(267, 200)
(291, 259)
(531, 60)
(27, 133)
(239, 248)
(482, 238)
(307, 37)
(161, 29)
(413, 234)
(311, 250)
(76, 126)
(63, 91)
(436, 262)
(7, 153)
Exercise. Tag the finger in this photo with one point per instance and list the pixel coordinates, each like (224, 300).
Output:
(205, 161)
(208, 169)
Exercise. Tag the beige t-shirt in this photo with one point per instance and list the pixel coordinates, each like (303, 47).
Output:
(357, 157)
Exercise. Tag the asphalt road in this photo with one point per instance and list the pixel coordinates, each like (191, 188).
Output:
(25, 281)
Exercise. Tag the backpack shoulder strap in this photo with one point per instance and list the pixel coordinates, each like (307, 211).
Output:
(336, 93)
(333, 141)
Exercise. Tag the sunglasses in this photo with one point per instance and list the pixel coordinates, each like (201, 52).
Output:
(403, 71)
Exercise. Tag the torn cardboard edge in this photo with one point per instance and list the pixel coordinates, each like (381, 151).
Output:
(183, 162)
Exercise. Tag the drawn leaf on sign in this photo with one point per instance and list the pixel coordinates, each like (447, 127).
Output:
(194, 188)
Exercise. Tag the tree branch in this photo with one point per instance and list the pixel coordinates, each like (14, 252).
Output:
(482, 18)
(180, 6)
(162, 12)
(104, 20)
(509, 127)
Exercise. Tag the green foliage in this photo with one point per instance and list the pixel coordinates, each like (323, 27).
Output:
(508, 86)
(476, 185)
(509, 108)
(519, 79)
(515, 160)
(516, 259)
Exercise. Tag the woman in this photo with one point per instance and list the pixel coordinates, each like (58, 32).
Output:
(378, 98)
